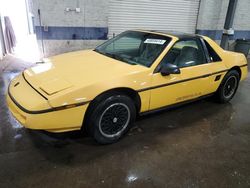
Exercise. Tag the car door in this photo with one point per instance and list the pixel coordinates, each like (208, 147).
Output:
(192, 82)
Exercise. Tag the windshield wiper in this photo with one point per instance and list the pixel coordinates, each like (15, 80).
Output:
(104, 53)
(123, 59)
(98, 51)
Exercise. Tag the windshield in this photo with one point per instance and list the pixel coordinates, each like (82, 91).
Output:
(134, 47)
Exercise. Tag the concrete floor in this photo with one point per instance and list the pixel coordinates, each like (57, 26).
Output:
(203, 144)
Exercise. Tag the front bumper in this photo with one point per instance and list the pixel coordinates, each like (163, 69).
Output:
(54, 121)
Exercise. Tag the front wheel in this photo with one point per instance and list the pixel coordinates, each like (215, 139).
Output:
(228, 87)
(111, 119)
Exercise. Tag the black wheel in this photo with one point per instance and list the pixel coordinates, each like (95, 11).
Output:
(228, 87)
(111, 118)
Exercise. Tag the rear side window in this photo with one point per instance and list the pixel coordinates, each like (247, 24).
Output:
(214, 57)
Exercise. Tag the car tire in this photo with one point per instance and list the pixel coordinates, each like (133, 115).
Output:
(111, 118)
(228, 87)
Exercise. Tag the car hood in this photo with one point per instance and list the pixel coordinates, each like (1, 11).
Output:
(76, 69)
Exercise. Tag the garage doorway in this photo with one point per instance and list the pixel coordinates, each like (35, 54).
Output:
(174, 15)
(17, 13)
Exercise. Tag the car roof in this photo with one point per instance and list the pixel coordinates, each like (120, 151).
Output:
(177, 34)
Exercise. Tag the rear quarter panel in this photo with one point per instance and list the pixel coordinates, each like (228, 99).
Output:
(230, 59)
(233, 59)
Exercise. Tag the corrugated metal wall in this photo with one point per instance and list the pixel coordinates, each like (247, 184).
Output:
(177, 15)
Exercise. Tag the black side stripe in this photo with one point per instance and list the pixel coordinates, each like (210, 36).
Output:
(185, 80)
(180, 81)
(243, 65)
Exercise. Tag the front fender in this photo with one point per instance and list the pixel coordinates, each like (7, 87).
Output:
(89, 92)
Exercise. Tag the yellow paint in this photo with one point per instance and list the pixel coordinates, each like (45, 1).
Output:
(195, 88)
(58, 121)
(78, 77)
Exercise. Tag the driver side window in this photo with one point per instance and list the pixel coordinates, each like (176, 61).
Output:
(185, 53)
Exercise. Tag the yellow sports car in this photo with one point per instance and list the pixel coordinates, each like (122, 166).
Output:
(103, 90)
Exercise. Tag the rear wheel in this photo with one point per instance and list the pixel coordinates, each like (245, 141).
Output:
(228, 87)
(111, 118)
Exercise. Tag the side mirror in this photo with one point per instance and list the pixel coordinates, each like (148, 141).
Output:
(168, 69)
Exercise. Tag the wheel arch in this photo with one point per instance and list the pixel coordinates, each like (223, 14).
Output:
(121, 90)
(237, 68)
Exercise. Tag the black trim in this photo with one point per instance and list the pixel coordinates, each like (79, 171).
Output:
(16, 84)
(180, 81)
(177, 34)
(217, 78)
(46, 110)
(205, 50)
(211, 52)
(33, 87)
(171, 106)
(243, 65)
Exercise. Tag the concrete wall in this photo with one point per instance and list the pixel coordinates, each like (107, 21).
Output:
(212, 15)
(68, 31)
